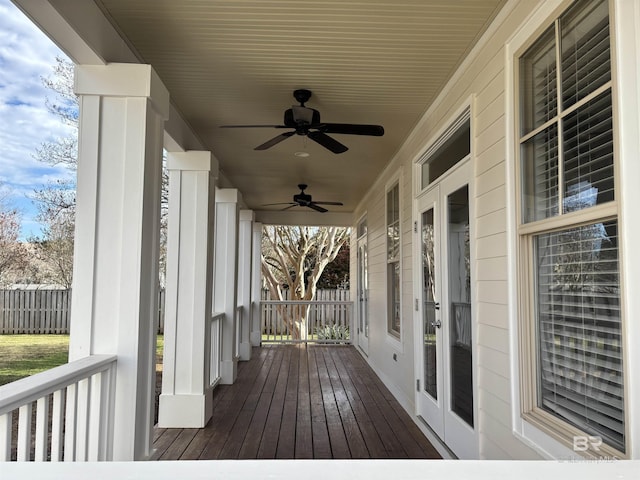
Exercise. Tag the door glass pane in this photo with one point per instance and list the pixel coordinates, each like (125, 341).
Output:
(460, 304)
(393, 278)
(429, 305)
(365, 283)
(363, 322)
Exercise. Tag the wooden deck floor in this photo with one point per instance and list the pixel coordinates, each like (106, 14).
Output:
(300, 402)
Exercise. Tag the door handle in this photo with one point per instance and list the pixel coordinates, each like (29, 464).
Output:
(436, 324)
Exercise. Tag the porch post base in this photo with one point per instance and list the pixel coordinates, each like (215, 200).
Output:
(228, 371)
(256, 339)
(185, 411)
(245, 351)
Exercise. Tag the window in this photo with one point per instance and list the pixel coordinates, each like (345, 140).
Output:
(452, 147)
(569, 232)
(393, 261)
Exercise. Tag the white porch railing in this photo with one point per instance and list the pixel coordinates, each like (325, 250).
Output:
(306, 321)
(73, 413)
(238, 332)
(215, 348)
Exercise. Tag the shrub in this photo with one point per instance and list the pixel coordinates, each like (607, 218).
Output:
(333, 332)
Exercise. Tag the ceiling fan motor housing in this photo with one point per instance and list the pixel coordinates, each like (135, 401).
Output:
(302, 198)
(301, 116)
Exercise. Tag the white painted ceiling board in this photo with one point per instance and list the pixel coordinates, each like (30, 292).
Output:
(238, 61)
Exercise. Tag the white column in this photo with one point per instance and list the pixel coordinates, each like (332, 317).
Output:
(225, 278)
(186, 399)
(245, 239)
(256, 286)
(115, 282)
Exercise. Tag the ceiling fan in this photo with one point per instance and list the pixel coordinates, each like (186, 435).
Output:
(304, 200)
(306, 121)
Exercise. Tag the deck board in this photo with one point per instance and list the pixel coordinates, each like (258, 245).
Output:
(298, 402)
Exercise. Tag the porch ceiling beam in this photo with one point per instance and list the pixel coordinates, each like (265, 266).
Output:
(312, 219)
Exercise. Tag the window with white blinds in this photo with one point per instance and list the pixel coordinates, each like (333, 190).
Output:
(567, 140)
(579, 329)
(567, 166)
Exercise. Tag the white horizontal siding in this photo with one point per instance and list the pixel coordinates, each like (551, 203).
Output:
(483, 81)
(492, 314)
(491, 268)
(493, 291)
(491, 201)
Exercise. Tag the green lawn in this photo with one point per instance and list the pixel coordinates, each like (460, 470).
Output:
(24, 355)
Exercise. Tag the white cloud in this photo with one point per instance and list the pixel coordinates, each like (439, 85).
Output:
(26, 55)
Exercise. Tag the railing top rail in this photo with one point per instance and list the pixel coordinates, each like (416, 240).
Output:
(217, 315)
(306, 302)
(14, 395)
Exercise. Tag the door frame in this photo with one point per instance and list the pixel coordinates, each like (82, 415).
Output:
(362, 240)
(471, 450)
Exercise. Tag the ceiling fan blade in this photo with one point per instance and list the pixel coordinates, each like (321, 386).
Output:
(327, 142)
(282, 203)
(275, 140)
(328, 203)
(316, 207)
(290, 206)
(352, 129)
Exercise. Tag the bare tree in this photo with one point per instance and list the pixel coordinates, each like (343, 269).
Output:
(293, 258)
(13, 255)
(56, 201)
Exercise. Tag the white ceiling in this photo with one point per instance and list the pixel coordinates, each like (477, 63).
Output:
(238, 62)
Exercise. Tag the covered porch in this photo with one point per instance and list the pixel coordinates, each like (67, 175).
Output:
(300, 402)
(153, 78)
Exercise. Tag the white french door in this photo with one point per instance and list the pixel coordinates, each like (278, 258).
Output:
(446, 383)
(363, 295)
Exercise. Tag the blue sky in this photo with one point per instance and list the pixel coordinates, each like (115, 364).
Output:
(26, 55)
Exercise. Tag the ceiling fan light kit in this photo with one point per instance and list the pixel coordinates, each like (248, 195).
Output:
(305, 121)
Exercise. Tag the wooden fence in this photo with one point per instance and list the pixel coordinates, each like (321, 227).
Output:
(328, 295)
(49, 311)
(35, 311)
(326, 319)
(44, 311)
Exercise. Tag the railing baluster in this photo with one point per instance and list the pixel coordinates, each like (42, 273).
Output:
(24, 432)
(57, 420)
(70, 424)
(215, 349)
(96, 413)
(42, 429)
(83, 397)
(81, 411)
(6, 422)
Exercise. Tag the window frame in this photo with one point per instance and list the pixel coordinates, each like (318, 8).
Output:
(525, 234)
(391, 333)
